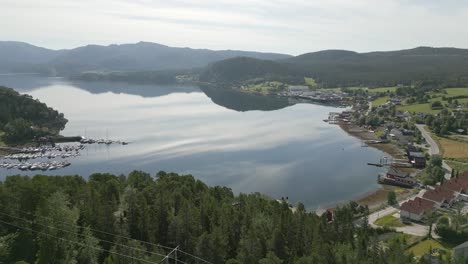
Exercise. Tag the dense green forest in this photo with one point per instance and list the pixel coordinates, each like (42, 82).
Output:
(338, 68)
(22, 117)
(242, 69)
(139, 219)
(240, 101)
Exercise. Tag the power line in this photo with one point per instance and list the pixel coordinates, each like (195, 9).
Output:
(167, 256)
(76, 233)
(75, 242)
(195, 257)
(108, 233)
(98, 231)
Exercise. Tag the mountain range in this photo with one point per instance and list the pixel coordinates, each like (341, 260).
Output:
(141, 56)
(340, 68)
(152, 62)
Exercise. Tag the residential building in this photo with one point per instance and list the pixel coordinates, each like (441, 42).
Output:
(416, 209)
(443, 197)
(417, 159)
(410, 148)
(458, 184)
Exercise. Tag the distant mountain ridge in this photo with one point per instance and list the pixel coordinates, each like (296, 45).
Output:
(23, 57)
(335, 68)
(151, 62)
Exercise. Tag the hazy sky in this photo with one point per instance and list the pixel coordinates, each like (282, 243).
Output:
(288, 26)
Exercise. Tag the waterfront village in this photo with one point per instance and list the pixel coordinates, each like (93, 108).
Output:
(423, 130)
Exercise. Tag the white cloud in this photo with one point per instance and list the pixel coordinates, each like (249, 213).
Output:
(294, 26)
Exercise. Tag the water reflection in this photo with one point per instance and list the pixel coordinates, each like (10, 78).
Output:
(239, 101)
(286, 152)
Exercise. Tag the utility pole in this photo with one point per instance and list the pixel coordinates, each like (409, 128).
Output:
(170, 253)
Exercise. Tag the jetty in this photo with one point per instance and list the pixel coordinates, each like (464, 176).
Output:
(334, 118)
(386, 162)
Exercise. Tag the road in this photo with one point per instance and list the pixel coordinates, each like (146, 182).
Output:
(370, 107)
(412, 229)
(434, 149)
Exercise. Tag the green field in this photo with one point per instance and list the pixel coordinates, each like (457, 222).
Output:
(456, 91)
(310, 82)
(382, 89)
(389, 221)
(380, 101)
(424, 246)
(266, 87)
(426, 108)
(418, 108)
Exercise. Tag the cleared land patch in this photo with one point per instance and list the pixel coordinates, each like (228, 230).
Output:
(380, 101)
(424, 246)
(454, 149)
(310, 82)
(389, 221)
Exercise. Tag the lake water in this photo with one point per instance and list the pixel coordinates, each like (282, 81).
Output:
(248, 143)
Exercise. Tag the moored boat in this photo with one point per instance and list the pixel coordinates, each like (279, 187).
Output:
(397, 178)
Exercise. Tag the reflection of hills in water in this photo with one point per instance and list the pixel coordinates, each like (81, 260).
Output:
(230, 99)
(143, 90)
(27, 83)
(240, 101)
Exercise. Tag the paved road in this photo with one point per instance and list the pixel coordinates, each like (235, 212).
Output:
(370, 107)
(434, 149)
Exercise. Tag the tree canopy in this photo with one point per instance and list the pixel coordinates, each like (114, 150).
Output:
(22, 117)
(120, 219)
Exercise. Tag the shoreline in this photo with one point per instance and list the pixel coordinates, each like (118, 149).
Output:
(377, 198)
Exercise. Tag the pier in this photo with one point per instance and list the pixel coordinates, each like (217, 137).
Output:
(386, 162)
(334, 118)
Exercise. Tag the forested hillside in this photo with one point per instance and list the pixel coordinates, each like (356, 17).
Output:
(438, 66)
(339, 68)
(243, 69)
(53, 219)
(22, 117)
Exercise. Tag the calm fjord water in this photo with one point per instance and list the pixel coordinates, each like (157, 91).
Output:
(289, 151)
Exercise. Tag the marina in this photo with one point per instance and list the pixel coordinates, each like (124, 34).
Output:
(43, 166)
(19, 159)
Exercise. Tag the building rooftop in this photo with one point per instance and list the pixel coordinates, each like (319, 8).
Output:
(457, 184)
(417, 206)
(439, 194)
(397, 173)
(417, 154)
